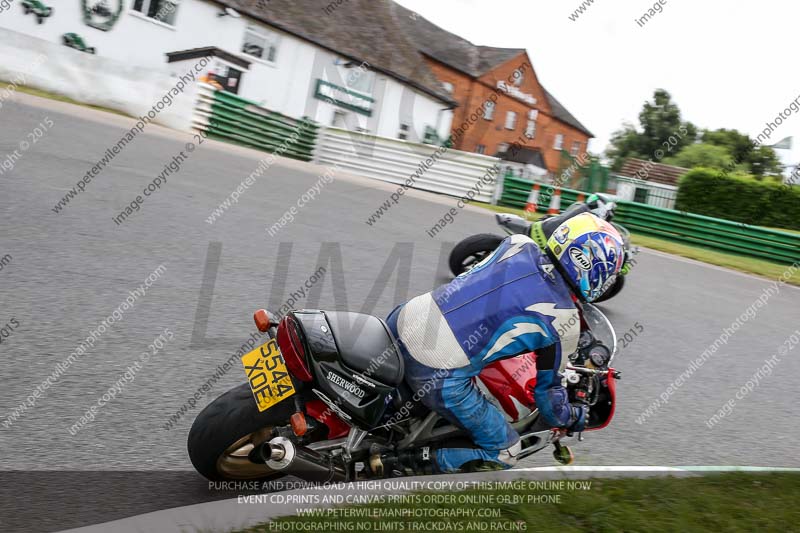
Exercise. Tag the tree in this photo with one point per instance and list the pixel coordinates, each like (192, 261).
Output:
(659, 122)
(763, 161)
(702, 155)
(759, 161)
(624, 144)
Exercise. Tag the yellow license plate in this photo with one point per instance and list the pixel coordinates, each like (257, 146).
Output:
(267, 374)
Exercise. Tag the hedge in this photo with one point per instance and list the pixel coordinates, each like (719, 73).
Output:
(739, 198)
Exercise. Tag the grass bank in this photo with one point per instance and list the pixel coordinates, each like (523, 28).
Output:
(720, 503)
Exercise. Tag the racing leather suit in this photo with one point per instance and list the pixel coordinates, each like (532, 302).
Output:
(511, 303)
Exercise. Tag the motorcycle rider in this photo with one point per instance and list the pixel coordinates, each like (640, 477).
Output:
(519, 299)
(542, 229)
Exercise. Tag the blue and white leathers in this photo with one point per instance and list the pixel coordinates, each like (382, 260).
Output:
(513, 302)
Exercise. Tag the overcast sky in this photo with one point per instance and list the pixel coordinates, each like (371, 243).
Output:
(727, 64)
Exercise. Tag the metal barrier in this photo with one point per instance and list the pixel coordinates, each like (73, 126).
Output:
(420, 166)
(680, 226)
(227, 117)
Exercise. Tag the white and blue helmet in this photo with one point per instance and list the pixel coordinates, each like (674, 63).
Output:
(590, 253)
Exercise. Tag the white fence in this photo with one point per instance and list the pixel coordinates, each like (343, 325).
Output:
(90, 79)
(646, 192)
(452, 172)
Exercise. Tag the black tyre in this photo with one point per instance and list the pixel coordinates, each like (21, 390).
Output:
(225, 432)
(471, 251)
(613, 290)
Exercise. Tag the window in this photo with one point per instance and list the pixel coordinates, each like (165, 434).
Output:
(576, 148)
(358, 78)
(533, 114)
(339, 119)
(403, 135)
(640, 195)
(489, 110)
(530, 130)
(431, 136)
(160, 10)
(480, 149)
(502, 148)
(511, 120)
(448, 87)
(260, 43)
(559, 142)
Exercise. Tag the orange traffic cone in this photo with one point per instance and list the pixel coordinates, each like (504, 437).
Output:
(555, 203)
(533, 199)
(581, 198)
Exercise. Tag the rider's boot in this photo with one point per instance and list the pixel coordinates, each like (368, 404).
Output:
(413, 462)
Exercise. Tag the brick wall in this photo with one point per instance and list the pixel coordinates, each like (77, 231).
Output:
(472, 93)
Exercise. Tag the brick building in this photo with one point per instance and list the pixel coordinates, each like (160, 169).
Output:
(524, 112)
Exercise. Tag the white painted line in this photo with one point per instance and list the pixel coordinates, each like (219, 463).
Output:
(600, 469)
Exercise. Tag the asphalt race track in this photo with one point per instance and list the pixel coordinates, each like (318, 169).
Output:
(71, 270)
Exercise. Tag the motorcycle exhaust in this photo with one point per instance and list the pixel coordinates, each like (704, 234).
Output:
(283, 455)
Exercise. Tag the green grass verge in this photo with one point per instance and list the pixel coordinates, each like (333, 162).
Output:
(60, 98)
(736, 262)
(728, 502)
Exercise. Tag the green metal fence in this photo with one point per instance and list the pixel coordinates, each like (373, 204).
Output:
(678, 226)
(234, 119)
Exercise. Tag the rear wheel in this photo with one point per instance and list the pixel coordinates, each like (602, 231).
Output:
(471, 251)
(228, 429)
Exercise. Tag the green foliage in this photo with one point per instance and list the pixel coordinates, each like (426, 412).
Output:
(740, 198)
(702, 155)
(659, 121)
(759, 161)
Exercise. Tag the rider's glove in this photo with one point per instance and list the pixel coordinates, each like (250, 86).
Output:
(579, 418)
(553, 403)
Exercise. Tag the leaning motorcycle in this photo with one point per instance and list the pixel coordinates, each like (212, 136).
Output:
(325, 396)
(475, 248)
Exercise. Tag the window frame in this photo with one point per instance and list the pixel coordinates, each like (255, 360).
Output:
(367, 74)
(405, 128)
(146, 8)
(480, 149)
(530, 129)
(558, 141)
(511, 116)
(489, 109)
(576, 148)
(263, 33)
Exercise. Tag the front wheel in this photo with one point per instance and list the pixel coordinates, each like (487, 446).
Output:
(613, 290)
(471, 251)
(228, 429)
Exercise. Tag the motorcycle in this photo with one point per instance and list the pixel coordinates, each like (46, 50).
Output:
(472, 250)
(325, 396)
